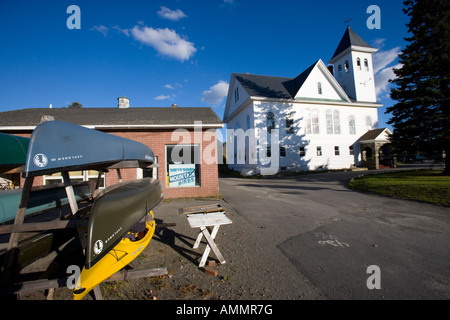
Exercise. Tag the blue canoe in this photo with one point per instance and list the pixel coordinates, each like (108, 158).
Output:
(57, 146)
(13, 152)
(42, 199)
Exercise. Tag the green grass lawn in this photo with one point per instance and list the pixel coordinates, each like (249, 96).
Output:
(423, 185)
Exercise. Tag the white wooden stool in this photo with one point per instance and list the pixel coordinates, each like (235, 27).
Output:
(203, 221)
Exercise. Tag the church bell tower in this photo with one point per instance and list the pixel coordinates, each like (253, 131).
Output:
(353, 67)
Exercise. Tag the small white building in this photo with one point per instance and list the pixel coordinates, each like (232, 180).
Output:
(319, 116)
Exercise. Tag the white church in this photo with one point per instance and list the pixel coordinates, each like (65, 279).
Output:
(325, 118)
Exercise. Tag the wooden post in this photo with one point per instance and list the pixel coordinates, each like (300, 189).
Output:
(69, 191)
(14, 237)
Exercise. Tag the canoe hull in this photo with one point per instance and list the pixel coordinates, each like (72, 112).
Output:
(116, 212)
(117, 258)
(57, 146)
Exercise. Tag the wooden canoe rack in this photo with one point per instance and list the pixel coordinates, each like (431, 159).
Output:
(75, 222)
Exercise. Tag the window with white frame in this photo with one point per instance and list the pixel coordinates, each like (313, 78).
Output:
(290, 123)
(86, 175)
(336, 150)
(148, 172)
(183, 166)
(352, 125)
(333, 122)
(312, 122)
(319, 151)
(270, 122)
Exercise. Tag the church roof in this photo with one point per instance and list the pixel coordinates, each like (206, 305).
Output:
(273, 87)
(349, 39)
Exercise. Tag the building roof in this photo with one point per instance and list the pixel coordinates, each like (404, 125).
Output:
(112, 117)
(273, 87)
(350, 38)
(373, 134)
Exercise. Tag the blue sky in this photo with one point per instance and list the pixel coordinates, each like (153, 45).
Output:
(176, 51)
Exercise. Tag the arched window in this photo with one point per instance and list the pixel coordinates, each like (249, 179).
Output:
(248, 122)
(270, 122)
(352, 125)
(346, 66)
(366, 64)
(336, 122)
(311, 121)
(319, 87)
(333, 122)
(358, 63)
(315, 121)
(329, 119)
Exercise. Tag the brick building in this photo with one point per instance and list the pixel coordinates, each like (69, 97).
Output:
(184, 142)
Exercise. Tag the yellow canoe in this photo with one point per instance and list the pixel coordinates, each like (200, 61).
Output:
(120, 256)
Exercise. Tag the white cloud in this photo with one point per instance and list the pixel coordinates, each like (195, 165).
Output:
(124, 31)
(216, 93)
(169, 86)
(102, 29)
(163, 97)
(173, 15)
(382, 79)
(167, 42)
(383, 69)
(383, 58)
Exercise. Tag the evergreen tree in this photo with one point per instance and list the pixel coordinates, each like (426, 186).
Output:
(421, 117)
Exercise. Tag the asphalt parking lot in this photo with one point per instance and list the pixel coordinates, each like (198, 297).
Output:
(303, 237)
(334, 236)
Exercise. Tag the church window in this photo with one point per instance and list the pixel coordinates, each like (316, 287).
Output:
(346, 66)
(302, 151)
(358, 63)
(336, 150)
(315, 122)
(282, 151)
(366, 65)
(352, 125)
(236, 95)
(351, 150)
(319, 87)
(329, 119)
(319, 151)
(290, 123)
(270, 122)
(340, 70)
(248, 122)
(333, 122)
(311, 122)
(337, 122)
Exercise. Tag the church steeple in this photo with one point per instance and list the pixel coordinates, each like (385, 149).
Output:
(353, 69)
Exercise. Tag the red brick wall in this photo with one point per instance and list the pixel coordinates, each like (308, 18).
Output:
(157, 141)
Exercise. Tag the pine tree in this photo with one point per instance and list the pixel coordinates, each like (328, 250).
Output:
(421, 117)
